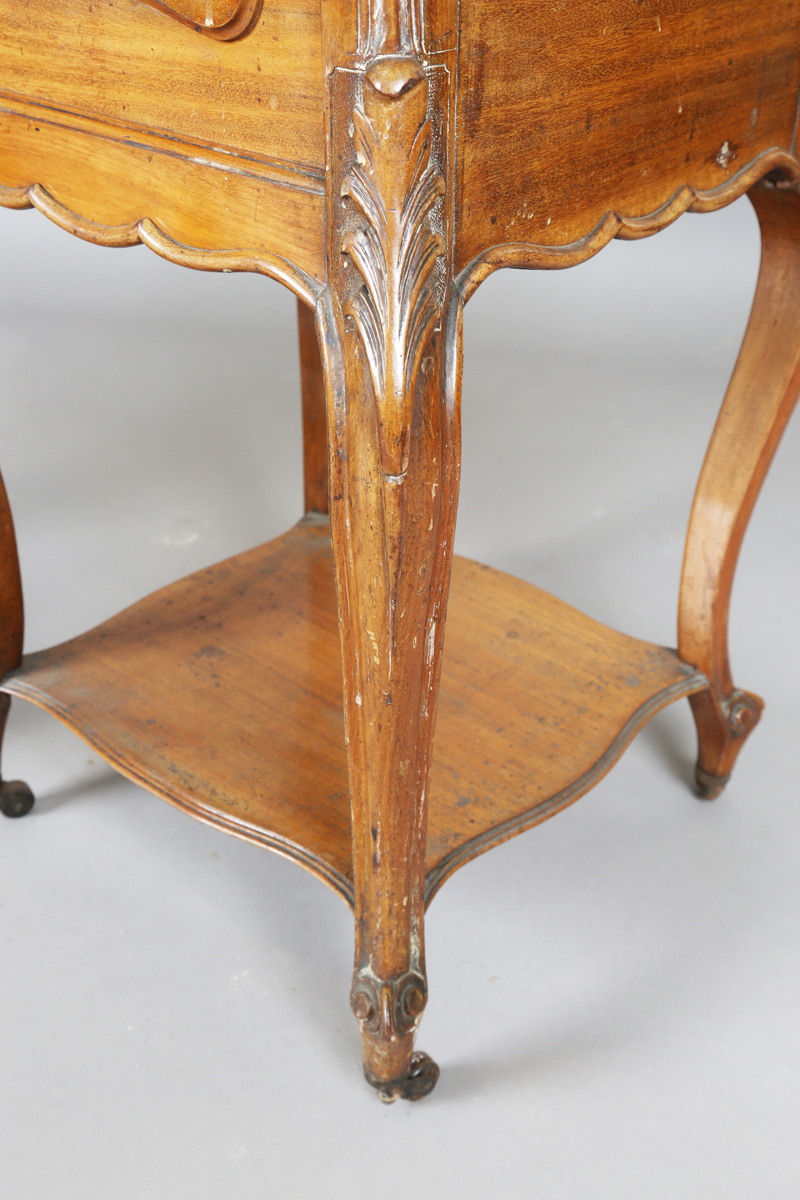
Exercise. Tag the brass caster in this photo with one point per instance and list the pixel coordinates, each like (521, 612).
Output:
(418, 1081)
(709, 786)
(16, 798)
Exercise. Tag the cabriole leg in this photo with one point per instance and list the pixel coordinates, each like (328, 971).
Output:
(754, 414)
(390, 328)
(16, 798)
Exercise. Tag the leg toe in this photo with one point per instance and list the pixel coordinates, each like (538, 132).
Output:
(709, 786)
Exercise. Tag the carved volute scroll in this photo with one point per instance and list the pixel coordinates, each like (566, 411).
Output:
(390, 332)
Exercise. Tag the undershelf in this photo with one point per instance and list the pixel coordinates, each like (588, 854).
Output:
(222, 693)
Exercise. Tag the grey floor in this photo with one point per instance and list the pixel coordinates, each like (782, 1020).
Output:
(614, 995)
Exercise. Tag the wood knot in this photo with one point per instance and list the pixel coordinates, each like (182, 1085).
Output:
(392, 78)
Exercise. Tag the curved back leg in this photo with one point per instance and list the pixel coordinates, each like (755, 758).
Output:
(315, 428)
(757, 406)
(16, 798)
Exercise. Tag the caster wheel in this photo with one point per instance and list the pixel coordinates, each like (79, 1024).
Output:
(423, 1074)
(418, 1081)
(16, 798)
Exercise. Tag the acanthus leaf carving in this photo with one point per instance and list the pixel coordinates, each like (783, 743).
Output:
(395, 185)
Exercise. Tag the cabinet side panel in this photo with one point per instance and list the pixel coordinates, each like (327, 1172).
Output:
(568, 111)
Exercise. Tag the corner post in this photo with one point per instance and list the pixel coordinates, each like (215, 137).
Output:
(389, 326)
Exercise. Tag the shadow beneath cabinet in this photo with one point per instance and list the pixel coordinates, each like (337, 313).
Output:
(665, 737)
(103, 777)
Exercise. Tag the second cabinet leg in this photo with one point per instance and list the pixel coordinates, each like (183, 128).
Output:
(759, 401)
(392, 540)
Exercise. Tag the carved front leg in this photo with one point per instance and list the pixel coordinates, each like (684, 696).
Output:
(390, 333)
(759, 401)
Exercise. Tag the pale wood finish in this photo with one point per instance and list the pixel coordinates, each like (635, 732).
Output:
(381, 158)
(107, 190)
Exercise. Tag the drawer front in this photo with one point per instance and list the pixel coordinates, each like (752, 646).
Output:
(126, 62)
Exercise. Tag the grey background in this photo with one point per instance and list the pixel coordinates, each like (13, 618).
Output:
(614, 995)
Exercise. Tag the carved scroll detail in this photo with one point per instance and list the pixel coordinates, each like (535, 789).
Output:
(742, 712)
(394, 1005)
(392, 1008)
(395, 185)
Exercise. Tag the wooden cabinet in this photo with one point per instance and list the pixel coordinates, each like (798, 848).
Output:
(350, 695)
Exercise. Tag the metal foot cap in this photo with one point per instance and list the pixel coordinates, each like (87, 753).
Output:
(709, 786)
(418, 1081)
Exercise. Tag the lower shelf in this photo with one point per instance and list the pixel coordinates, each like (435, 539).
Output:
(222, 693)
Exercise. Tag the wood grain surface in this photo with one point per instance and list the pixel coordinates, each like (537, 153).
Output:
(664, 107)
(123, 62)
(101, 186)
(391, 329)
(223, 694)
(570, 112)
